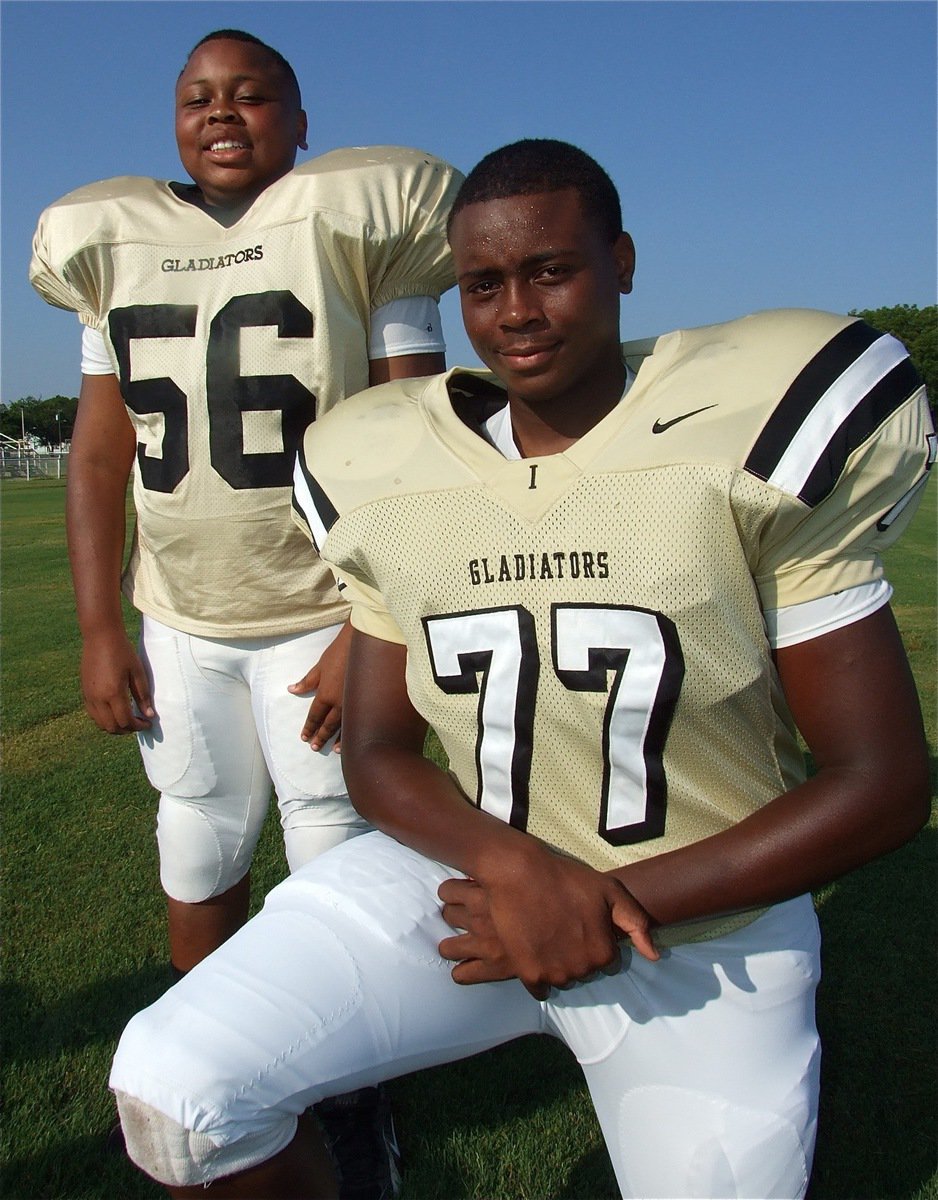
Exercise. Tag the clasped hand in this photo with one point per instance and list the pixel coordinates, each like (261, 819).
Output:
(552, 927)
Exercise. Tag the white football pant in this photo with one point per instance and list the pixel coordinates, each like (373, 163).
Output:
(703, 1067)
(227, 730)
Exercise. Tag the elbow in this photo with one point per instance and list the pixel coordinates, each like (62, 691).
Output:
(370, 767)
(888, 802)
(910, 797)
(360, 776)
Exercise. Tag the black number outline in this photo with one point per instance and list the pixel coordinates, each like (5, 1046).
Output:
(661, 662)
(615, 660)
(477, 663)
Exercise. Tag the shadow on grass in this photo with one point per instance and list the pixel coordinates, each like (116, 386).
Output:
(55, 1061)
(459, 1126)
(878, 1015)
(51, 1174)
(34, 1028)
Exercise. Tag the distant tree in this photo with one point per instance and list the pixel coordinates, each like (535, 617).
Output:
(917, 328)
(51, 420)
(18, 417)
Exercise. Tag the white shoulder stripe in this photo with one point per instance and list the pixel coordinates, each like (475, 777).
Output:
(306, 506)
(832, 409)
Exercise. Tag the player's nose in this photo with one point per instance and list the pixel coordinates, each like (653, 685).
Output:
(520, 306)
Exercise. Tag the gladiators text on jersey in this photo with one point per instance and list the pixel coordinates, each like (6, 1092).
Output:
(250, 254)
(560, 564)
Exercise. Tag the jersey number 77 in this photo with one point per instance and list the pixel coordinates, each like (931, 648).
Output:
(632, 655)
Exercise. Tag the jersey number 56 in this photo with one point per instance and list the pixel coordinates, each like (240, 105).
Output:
(228, 393)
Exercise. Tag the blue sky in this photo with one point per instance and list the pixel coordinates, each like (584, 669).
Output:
(768, 153)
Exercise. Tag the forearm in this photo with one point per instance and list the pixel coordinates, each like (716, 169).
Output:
(396, 788)
(95, 525)
(525, 912)
(414, 801)
(830, 825)
(539, 917)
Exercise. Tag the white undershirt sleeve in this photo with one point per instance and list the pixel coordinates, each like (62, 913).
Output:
(94, 359)
(410, 325)
(801, 622)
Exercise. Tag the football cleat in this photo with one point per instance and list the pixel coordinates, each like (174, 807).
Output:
(359, 1131)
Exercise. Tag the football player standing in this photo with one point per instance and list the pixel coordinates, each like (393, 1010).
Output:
(221, 318)
(616, 581)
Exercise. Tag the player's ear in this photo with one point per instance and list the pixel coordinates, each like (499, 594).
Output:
(623, 251)
(301, 128)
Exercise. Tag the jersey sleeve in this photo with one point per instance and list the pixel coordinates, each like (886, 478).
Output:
(368, 612)
(315, 514)
(51, 271)
(411, 195)
(842, 463)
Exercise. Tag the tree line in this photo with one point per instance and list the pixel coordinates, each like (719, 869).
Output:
(917, 328)
(52, 420)
(48, 421)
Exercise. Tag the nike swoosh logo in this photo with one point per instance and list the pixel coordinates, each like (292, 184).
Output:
(661, 426)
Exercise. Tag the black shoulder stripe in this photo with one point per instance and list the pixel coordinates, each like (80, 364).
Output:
(808, 387)
(835, 403)
(312, 503)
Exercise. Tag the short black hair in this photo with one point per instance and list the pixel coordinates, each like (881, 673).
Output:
(239, 35)
(535, 165)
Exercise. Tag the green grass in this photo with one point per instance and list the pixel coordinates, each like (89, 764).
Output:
(85, 948)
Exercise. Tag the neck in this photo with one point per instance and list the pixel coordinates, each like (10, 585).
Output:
(228, 209)
(550, 426)
(226, 213)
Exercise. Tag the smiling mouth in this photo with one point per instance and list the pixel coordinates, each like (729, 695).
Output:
(226, 146)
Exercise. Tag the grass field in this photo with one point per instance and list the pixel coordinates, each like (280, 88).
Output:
(84, 948)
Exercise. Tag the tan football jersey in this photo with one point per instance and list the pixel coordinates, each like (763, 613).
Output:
(585, 630)
(227, 343)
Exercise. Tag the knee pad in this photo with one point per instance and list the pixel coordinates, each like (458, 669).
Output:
(180, 1157)
(204, 850)
(723, 1149)
(307, 832)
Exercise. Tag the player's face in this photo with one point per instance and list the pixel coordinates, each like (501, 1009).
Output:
(539, 286)
(238, 124)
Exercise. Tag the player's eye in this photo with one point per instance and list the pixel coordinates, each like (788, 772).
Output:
(552, 273)
(483, 287)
